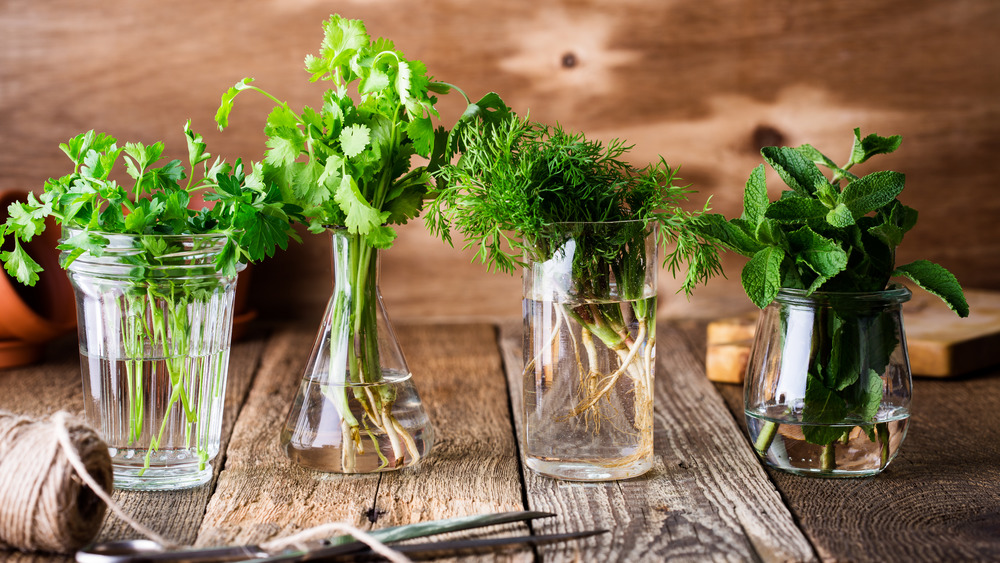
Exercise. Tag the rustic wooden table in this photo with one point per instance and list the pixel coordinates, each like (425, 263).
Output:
(707, 498)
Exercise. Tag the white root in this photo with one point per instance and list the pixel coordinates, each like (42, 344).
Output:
(611, 380)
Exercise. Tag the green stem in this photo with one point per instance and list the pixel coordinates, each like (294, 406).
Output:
(882, 432)
(766, 437)
(828, 457)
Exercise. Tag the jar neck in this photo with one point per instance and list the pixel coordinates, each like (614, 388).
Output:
(890, 298)
(355, 263)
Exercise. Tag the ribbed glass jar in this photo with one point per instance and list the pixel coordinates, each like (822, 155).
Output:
(828, 384)
(155, 324)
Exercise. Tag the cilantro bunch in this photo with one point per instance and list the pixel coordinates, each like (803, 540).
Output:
(92, 203)
(832, 237)
(348, 163)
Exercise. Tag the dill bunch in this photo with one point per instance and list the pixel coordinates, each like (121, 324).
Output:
(517, 179)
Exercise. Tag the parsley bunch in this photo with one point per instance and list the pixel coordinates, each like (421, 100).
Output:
(92, 203)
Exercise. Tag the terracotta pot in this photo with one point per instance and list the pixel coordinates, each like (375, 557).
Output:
(30, 316)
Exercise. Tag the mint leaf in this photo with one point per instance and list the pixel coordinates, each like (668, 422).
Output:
(822, 255)
(872, 192)
(840, 217)
(796, 210)
(821, 408)
(871, 396)
(761, 276)
(755, 200)
(796, 171)
(736, 235)
(938, 281)
(872, 145)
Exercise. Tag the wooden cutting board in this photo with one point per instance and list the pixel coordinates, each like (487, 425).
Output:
(940, 343)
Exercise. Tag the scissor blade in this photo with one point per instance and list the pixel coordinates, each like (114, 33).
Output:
(430, 550)
(457, 524)
(449, 547)
(342, 545)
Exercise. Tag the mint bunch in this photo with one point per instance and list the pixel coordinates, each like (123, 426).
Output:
(835, 235)
(838, 236)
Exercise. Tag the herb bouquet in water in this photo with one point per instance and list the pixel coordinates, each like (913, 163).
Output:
(154, 281)
(585, 227)
(828, 383)
(348, 164)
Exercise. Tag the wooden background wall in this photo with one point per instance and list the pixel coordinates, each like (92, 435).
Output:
(704, 83)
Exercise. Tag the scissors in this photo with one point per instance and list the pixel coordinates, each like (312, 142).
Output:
(146, 551)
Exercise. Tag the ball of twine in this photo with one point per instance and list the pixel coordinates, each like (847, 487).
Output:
(44, 504)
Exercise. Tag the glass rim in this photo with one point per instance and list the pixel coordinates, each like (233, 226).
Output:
(895, 293)
(174, 236)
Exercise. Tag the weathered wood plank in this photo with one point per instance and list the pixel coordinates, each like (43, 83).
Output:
(55, 385)
(937, 501)
(703, 83)
(472, 469)
(706, 498)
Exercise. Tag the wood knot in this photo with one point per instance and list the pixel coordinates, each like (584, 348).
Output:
(765, 136)
(373, 514)
(568, 60)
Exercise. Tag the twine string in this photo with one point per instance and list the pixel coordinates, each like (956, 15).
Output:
(44, 505)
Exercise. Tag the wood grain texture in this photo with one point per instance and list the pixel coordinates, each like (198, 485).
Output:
(55, 385)
(937, 501)
(706, 499)
(472, 468)
(705, 84)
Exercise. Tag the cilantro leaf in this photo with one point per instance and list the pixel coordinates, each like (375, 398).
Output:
(360, 216)
(354, 139)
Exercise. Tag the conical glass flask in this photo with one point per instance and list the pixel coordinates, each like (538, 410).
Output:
(357, 410)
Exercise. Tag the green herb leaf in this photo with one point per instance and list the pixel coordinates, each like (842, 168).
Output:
(797, 210)
(761, 276)
(798, 173)
(822, 407)
(937, 281)
(755, 201)
(228, 97)
(840, 216)
(354, 140)
(361, 217)
(872, 145)
(19, 265)
(823, 256)
(872, 192)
